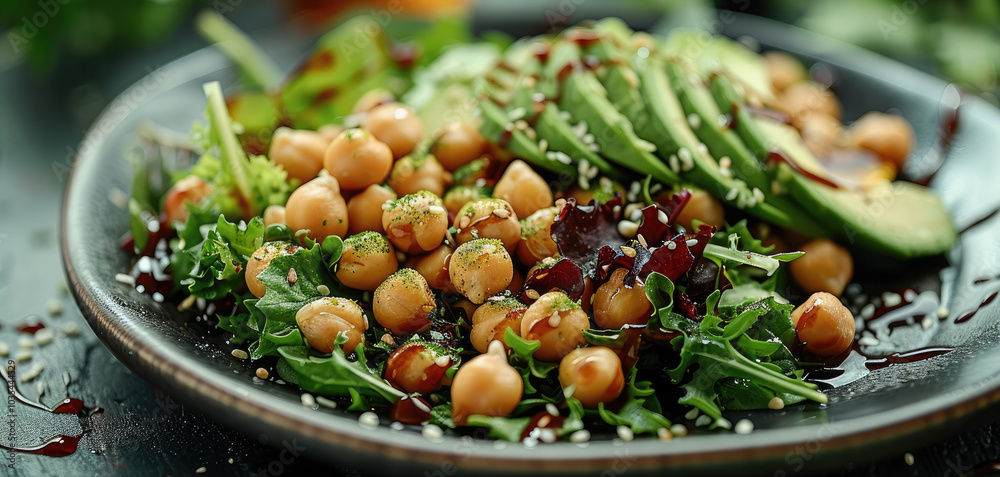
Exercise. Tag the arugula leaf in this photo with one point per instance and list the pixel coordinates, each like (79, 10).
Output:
(282, 299)
(217, 264)
(641, 410)
(335, 375)
(532, 370)
(708, 355)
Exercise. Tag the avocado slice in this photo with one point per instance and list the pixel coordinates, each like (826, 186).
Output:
(583, 95)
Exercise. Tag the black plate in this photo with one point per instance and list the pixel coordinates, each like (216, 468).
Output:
(887, 411)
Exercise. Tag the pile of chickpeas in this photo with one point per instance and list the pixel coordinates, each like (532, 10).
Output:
(394, 210)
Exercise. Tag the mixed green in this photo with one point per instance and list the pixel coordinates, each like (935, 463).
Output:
(681, 144)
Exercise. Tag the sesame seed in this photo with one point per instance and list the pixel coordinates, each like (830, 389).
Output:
(628, 251)
(432, 432)
(387, 206)
(153, 226)
(725, 172)
(868, 311)
(703, 420)
(580, 129)
(158, 297)
(691, 243)
(442, 361)
(776, 403)
(240, 354)
(642, 241)
(909, 295)
(323, 289)
(118, 197)
(552, 409)
(868, 340)
(758, 194)
(200, 470)
(926, 323)
(125, 278)
(436, 209)
(400, 113)
(685, 156)
(743, 426)
(891, 299)
(674, 163)
(587, 139)
(32, 373)
(554, 320)
(543, 145)
(231, 460)
(579, 437)
(23, 355)
(664, 434)
(694, 120)
(4, 349)
(908, 458)
(702, 148)
(517, 113)
(593, 148)
(692, 414)
(322, 401)
(662, 217)
(186, 303)
(71, 329)
(584, 182)
(530, 441)
(262, 374)
(626, 433)
(502, 213)
(547, 435)
(732, 194)
(530, 293)
(671, 245)
(25, 342)
(307, 400)
(678, 430)
(44, 336)
(942, 312)
(397, 426)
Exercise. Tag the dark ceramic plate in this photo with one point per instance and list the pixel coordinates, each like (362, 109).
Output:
(887, 411)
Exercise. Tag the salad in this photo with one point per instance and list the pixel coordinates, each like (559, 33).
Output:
(597, 230)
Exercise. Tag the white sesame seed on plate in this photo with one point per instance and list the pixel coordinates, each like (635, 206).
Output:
(201, 470)
(23, 355)
(44, 336)
(32, 373)
(692, 414)
(703, 420)
(743, 426)
(579, 437)
(908, 458)
(547, 435)
(942, 312)
(552, 409)
(397, 426)
(691, 243)
(71, 329)
(240, 354)
(891, 299)
(55, 306)
(678, 430)
(664, 434)
(125, 278)
(323, 289)
(307, 400)
(694, 121)
(926, 323)
(432, 432)
(868, 311)
(322, 401)
(25, 342)
(368, 419)
(625, 433)
(4, 349)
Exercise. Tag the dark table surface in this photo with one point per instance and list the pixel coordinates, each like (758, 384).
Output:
(141, 431)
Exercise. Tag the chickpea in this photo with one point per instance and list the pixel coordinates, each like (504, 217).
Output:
(317, 206)
(821, 132)
(434, 267)
(458, 144)
(417, 368)
(808, 96)
(783, 69)
(189, 190)
(523, 188)
(415, 223)
(403, 302)
(477, 172)
(824, 324)
(371, 99)
(557, 322)
(825, 266)
(616, 305)
(299, 152)
(397, 126)
(704, 207)
(480, 269)
(323, 319)
(357, 159)
(259, 261)
(486, 385)
(274, 215)
(412, 174)
(594, 373)
(460, 195)
(367, 260)
(364, 210)
(491, 320)
(536, 236)
(888, 135)
(488, 218)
